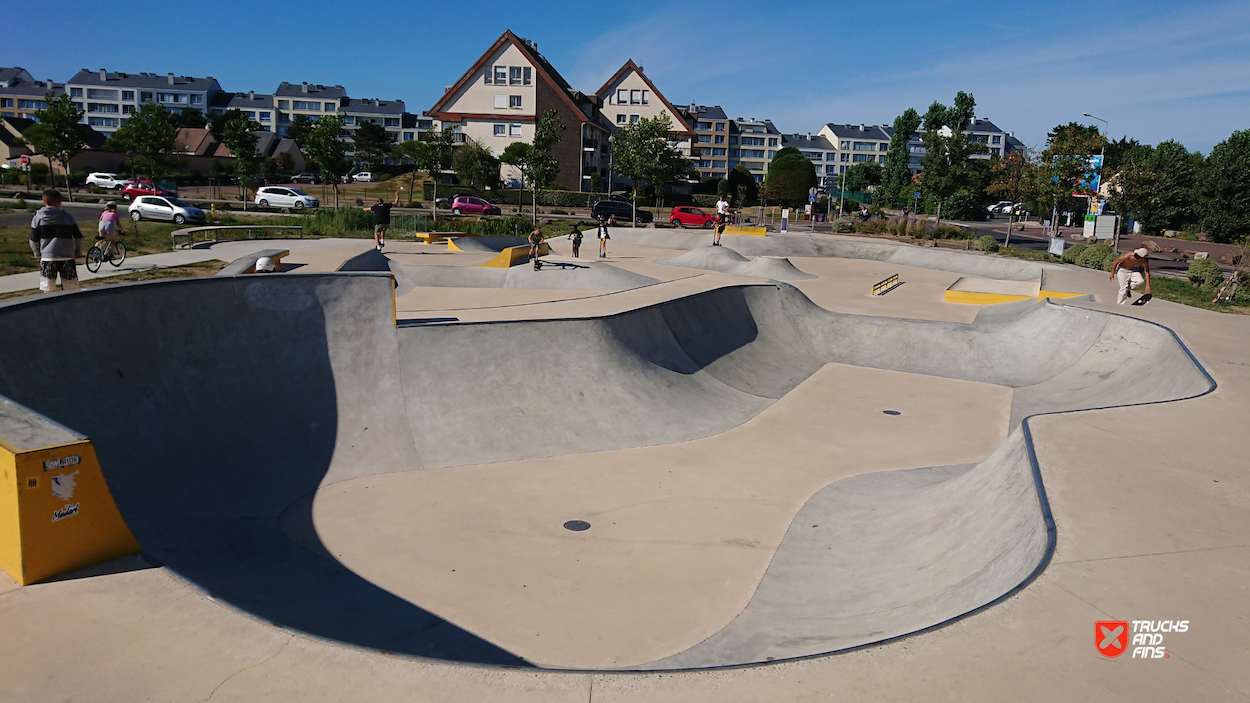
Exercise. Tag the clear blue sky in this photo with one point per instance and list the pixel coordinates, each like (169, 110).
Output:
(1154, 70)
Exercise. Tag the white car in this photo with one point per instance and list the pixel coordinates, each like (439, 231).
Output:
(107, 180)
(281, 196)
(159, 207)
(363, 176)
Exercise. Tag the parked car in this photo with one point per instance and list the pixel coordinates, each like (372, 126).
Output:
(155, 207)
(135, 190)
(692, 216)
(622, 210)
(469, 205)
(111, 181)
(278, 196)
(1002, 206)
(364, 177)
(311, 179)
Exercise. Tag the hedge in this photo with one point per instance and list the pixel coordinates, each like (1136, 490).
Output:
(987, 243)
(1205, 273)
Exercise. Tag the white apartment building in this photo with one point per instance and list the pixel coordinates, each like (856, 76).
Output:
(822, 153)
(753, 143)
(108, 98)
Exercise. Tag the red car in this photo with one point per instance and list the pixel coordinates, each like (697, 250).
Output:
(133, 191)
(469, 205)
(692, 216)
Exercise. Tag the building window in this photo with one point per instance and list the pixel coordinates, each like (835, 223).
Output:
(390, 121)
(633, 118)
(644, 97)
(302, 105)
(994, 151)
(733, 153)
(349, 120)
(501, 130)
(331, 107)
(514, 75)
(6, 102)
(266, 117)
(998, 139)
(705, 138)
(860, 158)
(284, 105)
(881, 159)
(720, 139)
(841, 169)
(97, 94)
(845, 145)
(622, 97)
(283, 117)
(704, 126)
(501, 75)
(251, 114)
(752, 141)
(771, 153)
(514, 102)
(865, 146)
(128, 95)
(102, 121)
(718, 152)
(32, 105)
(845, 157)
(75, 92)
(772, 141)
(528, 73)
(635, 97)
(128, 109)
(752, 153)
(883, 146)
(830, 169)
(733, 140)
(197, 99)
(620, 119)
(720, 126)
(409, 136)
(514, 130)
(501, 102)
(718, 164)
(488, 73)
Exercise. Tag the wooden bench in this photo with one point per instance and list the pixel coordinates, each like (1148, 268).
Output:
(247, 264)
(189, 233)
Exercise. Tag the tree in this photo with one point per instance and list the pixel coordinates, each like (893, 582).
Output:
(327, 149)
(722, 188)
(300, 129)
(148, 139)
(190, 118)
(372, 143)
(517, 155)
(1012, 176)
(790, 176)
(645, 151)
(476, 166)
(862, 175)
(897, 172)
(1157, 186)
(1223, 192)
(283, 160)
(543, 165)
(1064, 165)
(269, 169)
(742, 185)
(947, 148)
(433, 157)
(57, 133)
(239, 136)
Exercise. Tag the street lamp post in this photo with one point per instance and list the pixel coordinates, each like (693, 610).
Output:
(1102, 159)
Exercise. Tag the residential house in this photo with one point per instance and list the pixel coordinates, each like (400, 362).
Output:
(269, 145)
(711, 139)
(257, 106)
(753, 143)
(416, 126)
(388, 113)
(108, 98)
(857, 144)
(14, 144)
(21, 95)
(195, 142)
(500, 98)
(822, 153)
(308, 99)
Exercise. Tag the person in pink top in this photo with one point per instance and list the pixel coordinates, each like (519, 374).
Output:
(110, 224)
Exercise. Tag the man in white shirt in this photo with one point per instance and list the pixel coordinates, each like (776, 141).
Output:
(722, 216)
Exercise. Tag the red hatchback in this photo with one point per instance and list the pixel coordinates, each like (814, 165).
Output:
(134, 191)
(692, 216)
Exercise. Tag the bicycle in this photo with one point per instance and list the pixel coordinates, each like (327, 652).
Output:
(101, 252)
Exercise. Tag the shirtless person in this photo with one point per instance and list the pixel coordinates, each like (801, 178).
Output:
(1123, 273)
(381, 220)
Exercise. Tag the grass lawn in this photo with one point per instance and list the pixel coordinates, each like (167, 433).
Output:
(202, 268)
(140, 238)
(1181, 291)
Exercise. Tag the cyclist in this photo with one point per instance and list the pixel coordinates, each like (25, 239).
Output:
(110, 226)
(536, 242)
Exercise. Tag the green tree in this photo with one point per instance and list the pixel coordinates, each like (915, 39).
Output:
(1223, 192)
(190, 118)
(790, 176)
(239, 136)
(476, 166)
(372, 143)
(300, 129)
(543, 165)
(58, 134)
(947, 150)
(1012, 177)
(742, 185)
(645, 152)
(862, 175)
(148, 139)
(517, 155)
(1157, 185)
(327, 149)
(1064, 165)
(897, 172)
(722, 188)
(269, 169)
(432, 157)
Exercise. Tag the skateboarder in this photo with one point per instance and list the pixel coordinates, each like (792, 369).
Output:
(536, 243)
(381, 220)
(1122, 272)
(577, 236)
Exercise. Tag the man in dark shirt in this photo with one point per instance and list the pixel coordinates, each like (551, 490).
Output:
(56, 240)
(381, 220)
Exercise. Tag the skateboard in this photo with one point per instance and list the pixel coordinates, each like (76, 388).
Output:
(1145, 298)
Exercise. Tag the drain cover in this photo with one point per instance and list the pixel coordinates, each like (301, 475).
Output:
(577, 525)
(891, 412)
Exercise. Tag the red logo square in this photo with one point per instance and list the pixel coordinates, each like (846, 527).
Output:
(1111, 637)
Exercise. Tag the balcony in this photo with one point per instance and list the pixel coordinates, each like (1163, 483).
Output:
(590, 144)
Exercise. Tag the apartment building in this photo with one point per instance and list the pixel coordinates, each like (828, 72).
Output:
(822, 153)
(257, 106)
(308, 99)
(753, 143)
(21, 95)
(388, 113)
(856, 144)
(500, 98)
(108, 97)
(710, 151)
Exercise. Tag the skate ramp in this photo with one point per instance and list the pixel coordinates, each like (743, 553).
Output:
(219, 406)
(726, 260)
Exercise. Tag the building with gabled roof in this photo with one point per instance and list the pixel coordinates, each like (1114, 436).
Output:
(108, 98)
(500, 98)
(21, 95)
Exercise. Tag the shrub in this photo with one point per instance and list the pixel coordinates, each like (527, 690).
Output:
(703, 200)
(844, 227)
(330, 221)
(1205, 273)
(1072, 252)
(1092, 257)
(963, 206)
(987, 243)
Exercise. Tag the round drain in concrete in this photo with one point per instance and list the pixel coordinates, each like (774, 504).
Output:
(891, 412)
(577, 525)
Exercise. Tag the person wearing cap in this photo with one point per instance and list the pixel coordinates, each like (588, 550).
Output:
(110, 224)
(1123, 273)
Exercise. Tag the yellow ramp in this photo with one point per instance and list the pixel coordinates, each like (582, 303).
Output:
(56, 512)
(972, 290)
(512, 256)
(745, 229)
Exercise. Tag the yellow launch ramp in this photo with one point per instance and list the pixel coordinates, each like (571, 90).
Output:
(56, 512)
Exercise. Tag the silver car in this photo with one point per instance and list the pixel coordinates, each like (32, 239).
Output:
(281, 196)
(160, 207)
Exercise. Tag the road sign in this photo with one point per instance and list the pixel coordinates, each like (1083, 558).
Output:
(25, 160)
(811, 198)
(917, 194)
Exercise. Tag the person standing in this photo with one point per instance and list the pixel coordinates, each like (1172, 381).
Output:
(577, 236)
(381, 220)
(110, 224)
(603, 239)
(56, 240)
(536, 244)
(1122, 272)
(722, 208)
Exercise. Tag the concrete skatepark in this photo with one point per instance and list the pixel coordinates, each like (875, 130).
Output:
(337, 480)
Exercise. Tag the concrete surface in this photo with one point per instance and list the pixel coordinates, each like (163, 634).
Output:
(726, 260)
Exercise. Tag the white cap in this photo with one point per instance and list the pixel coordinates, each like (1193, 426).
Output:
(1143, 252)
(264, 265)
